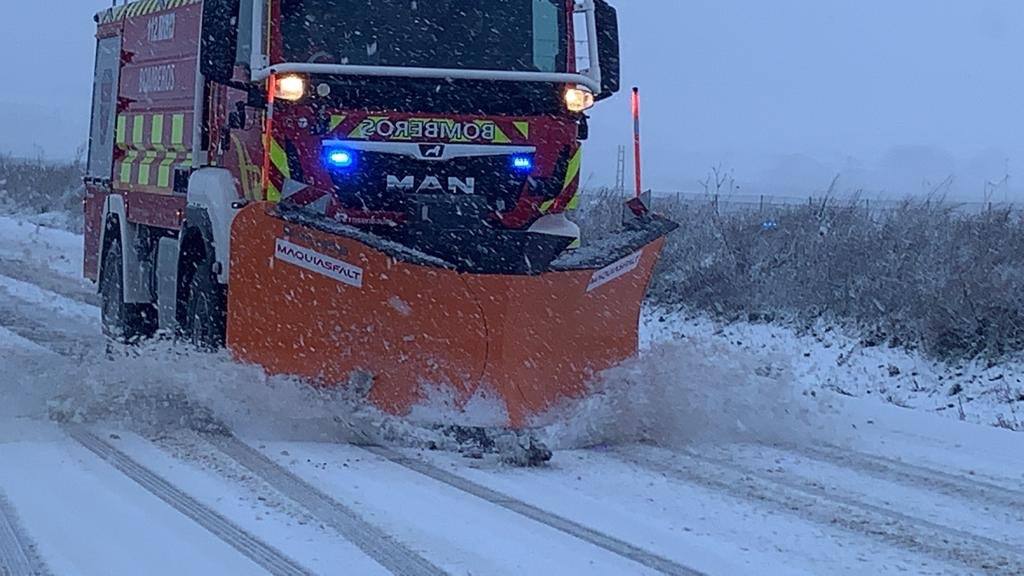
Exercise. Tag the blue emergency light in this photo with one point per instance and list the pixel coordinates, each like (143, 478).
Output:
(522, 163)
(340, 158)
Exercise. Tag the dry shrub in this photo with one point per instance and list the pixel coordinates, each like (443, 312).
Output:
(920, 275)
(38, 187)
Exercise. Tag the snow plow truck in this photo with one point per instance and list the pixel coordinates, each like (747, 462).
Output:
(332, 188)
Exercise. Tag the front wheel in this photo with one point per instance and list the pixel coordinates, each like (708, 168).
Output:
(205, 323)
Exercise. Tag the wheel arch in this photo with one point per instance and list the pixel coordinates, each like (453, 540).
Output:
(213, 201)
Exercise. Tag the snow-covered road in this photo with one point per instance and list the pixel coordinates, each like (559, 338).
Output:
(746, 475)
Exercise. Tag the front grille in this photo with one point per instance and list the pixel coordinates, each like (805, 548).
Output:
(367, 186)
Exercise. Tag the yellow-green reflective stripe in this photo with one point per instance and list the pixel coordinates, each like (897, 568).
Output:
(177, 130)
(499, 136)
(574, 204)
(279, 158)
(122, 127)
(157, 136)
(144, 167)
(546, 206)
(126, 167)
(138, 122)
(574, 168)
(273, 194)
(163, 173)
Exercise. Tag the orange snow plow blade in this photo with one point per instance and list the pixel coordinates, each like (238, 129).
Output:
(325, 305)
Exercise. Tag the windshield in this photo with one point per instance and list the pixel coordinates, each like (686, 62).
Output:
(517, 35)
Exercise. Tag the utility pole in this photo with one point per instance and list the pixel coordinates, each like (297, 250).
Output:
(620, 172)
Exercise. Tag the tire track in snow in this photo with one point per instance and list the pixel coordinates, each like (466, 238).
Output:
(72, 337)
(912, 475)
(589, 535)
(48, 280)
(55, 341)
(18, 556)
(271, 559)
(375, 543)
(809, 501)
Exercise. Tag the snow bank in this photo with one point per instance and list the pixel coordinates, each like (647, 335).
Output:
(825, 359)
(700, 380)
(40, 245)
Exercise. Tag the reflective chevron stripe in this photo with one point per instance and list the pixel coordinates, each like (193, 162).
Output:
(140, 8)
(151, 145)
(280, 171)
(570, 184)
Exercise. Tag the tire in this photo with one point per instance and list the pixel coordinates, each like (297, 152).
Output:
(205, 325)
(122, 323)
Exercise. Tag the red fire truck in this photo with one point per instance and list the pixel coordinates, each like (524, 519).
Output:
(333, 186)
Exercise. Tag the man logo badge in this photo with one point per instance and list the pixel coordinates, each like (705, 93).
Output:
(434, 151)
(431, 185)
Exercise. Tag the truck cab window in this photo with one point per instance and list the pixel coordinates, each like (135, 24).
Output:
(517, 35)
(548, 43)
(244, 53)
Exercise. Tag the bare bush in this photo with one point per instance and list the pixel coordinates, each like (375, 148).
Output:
(922, 275)
(38, 187)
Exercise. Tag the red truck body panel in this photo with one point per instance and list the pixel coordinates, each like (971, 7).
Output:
(156, 97)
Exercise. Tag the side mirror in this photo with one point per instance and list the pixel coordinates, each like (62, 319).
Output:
(608, 48)
(219, 40)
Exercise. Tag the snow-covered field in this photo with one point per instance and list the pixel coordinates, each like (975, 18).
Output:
(724, 450)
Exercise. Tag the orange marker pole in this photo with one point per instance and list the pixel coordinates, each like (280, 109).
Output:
(636, 141)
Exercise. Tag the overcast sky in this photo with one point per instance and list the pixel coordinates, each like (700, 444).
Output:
(783, 92)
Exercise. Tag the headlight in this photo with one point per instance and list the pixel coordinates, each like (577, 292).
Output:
(291, 87)
(579, 99)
